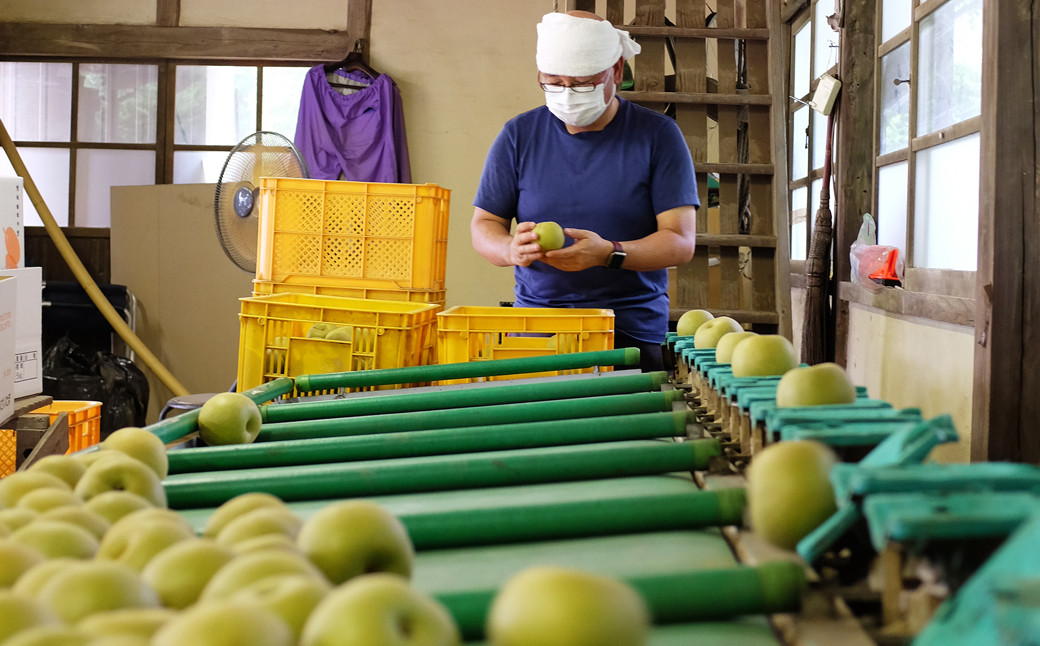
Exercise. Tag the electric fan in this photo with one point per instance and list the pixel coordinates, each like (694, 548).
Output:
(236, 202)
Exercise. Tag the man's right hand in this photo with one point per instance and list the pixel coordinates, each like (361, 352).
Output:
(524, 248)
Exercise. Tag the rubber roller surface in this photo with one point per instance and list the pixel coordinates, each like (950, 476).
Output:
(712, 594)
(433, 442)
(468, 370)
(402, 401)
(575, 519)
(495, 468)
(476, 416)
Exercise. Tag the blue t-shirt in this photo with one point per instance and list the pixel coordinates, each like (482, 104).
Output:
(614, 182)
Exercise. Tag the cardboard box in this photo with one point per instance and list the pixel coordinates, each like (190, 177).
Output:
(8, 295)
(28, 330)
(12, 223)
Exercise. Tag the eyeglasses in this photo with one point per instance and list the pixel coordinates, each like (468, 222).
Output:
(557, 89)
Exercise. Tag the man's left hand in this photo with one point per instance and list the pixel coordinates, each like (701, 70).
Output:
(588, 250)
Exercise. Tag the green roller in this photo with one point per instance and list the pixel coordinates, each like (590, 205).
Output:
(467, 439)
(575, 519)
(476, 416)
(469, 370)
(705, 595)
(491, 393)
(173, 429)
(494, 468)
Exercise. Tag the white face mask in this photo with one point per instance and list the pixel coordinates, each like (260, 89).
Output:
(578, 109)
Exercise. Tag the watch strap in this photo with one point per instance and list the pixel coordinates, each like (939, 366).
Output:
(617, 257)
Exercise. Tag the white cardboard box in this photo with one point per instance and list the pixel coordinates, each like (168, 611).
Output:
(28, 330)
(12, 223)
(8, 295)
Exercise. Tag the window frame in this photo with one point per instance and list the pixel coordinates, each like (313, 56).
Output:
(943, 283)
(167, 45)
(815, 172)
(164, 145)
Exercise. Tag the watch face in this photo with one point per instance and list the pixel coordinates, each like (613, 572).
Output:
(616, 259)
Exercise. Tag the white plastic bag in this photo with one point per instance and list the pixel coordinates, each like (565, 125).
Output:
(873, 265)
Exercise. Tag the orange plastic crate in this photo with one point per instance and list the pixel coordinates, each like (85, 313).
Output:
(84, 429)
(352, 234)
(471, 333)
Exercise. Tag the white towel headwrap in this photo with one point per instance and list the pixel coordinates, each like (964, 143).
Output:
(573, 46)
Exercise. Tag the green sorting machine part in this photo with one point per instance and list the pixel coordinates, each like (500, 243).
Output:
(468, 370)
(703, 595)
(173, 429)
(385, 444)
(563, 409)
(567, 519)
(487, 469)
(488, 394)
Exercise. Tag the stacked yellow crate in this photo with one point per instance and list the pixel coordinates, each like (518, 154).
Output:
(365, 256)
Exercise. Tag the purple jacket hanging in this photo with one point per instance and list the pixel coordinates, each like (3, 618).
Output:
(358, 136)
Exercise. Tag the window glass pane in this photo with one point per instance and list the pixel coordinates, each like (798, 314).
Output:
(819, 139)
(799, 225)
(799, 143)
(281, 101)
(950, 66)
(97, 171)
(946, 205)
(49, 169)
(891, 215)
(36, 100)
(117, 103)
(894, 131)
(800, 68)
(824, 55)
(215, 105)
(895, 17)
(197, 166)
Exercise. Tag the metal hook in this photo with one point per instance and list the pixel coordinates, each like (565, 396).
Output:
(900, 81)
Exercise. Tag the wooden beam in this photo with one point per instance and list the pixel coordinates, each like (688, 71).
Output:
(697, 32)
(854, 153)
(54, 441)
(705, 98)
(185, 43)
(788, 9)
(168, 13)
(933, 307)
(1005, 407)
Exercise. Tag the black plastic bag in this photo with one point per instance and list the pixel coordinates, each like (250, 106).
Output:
(69, 373)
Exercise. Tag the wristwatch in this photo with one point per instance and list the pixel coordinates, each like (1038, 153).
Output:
(616, 257)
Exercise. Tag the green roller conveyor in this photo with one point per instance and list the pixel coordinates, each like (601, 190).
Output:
(493, 468)
(477, 416)
(172, 429)
(709, 594)
(498, 392)
(440, 441)
(468, 370)
(575, 519)
(491, 498)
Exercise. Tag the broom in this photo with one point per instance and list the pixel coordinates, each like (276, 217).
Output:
(817, 269)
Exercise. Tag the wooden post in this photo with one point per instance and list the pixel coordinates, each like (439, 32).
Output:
(1007, 349)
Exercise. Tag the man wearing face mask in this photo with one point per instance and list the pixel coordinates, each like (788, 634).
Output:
(618, 177)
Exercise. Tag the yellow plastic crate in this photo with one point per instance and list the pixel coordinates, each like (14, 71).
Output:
(352, 234)
(84, 429)
(265, 288)
(385, 334)
(473, 333)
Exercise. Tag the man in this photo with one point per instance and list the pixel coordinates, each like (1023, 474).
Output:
(616, 176)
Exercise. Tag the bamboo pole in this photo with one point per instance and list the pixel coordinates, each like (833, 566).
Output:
(81, 273)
